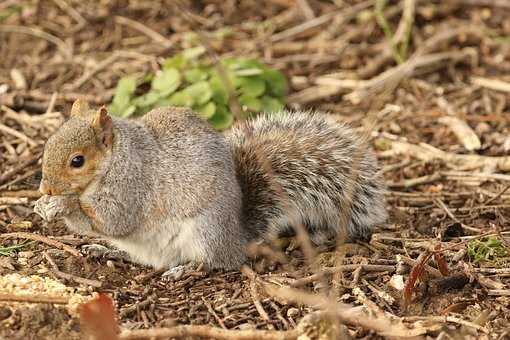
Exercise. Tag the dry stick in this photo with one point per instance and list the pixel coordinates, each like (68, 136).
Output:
(26, 175)
(305, 8)
(498, 195)
(86, 76)
(431, 270)
(52, 102)
(145, 30)
(13, 200)
(34, 298)
(492, 84)
(11, 173)
(15, 133)
(128, 310)
(346, 267)
(409, 183)
(346, 14)
(486, 3)
(43, 239)
(394, 75)
(62, 46)
(186, 331)
(445, 319)
(427, 153)
(254, 294)
(382, 323)
(213, 312)
(67, 276)
(72, 13)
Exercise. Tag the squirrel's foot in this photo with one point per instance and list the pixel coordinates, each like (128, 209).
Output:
(177, 272)
(100, 251)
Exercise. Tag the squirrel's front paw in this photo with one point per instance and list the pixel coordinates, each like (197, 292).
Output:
(51, 208)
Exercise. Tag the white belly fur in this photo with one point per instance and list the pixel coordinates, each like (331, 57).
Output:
(165, 245)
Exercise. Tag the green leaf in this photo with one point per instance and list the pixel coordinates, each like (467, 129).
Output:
(128, 111)
(207, 110)
(276, 82)
(166, 82)
(180, 98)
(219, 92)
(177, 62)
(250, 103)
(194, 75)
(123, 92)
(200, 92)
(252, 86)
(249, 72)
(222, 119)
(193, 53)
(271, 104)
(147, 99)
(242, 63)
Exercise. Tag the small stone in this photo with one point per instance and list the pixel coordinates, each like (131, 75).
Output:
(397, 282)
(293, 313)
(245, 326)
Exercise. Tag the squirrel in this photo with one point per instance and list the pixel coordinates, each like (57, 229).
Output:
(170, 190)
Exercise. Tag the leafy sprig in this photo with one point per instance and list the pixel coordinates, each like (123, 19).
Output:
(189, 80)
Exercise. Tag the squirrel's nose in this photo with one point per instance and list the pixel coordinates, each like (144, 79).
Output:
(44, 188)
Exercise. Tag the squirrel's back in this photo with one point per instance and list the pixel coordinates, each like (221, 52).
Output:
(302, 167)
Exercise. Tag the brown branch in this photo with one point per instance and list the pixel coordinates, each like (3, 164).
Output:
(60, 300)
(43, 239)
(66, 276)
(207, 332)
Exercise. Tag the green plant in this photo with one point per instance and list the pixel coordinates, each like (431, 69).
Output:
(7, 251)
(189, 80)
(488, 249)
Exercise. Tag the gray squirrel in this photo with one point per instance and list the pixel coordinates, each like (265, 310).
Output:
(170, 190)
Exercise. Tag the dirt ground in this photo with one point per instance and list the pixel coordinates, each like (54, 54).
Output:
(438, 120)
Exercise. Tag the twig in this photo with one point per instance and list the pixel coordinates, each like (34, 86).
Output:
(445, 319)
(128, 310)
(305, 8)
(22, 166)
(145, 30)
(86, 76)
(346, 267)
(495, 197)
(256, 300)
(431, 270)
(52, 102)
(15, 133)
(213, 312)
(13, 200)
(62, 46)
(384, 324)
(71, 277)
(186, 331)
(43, 239)
(492, 84)
(72, 13)
(59, 300)
(427, 153)
(409, 183)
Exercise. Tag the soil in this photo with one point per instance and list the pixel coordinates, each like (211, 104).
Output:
(334, 54)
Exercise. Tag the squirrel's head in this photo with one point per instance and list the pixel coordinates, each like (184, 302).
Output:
(75, 154)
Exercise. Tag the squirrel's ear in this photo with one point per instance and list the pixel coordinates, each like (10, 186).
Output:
(80, 108)
(102, 124)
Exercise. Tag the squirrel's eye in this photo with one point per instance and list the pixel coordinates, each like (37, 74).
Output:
(77, 161)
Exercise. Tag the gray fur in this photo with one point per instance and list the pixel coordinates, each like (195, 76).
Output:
(174, 191)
